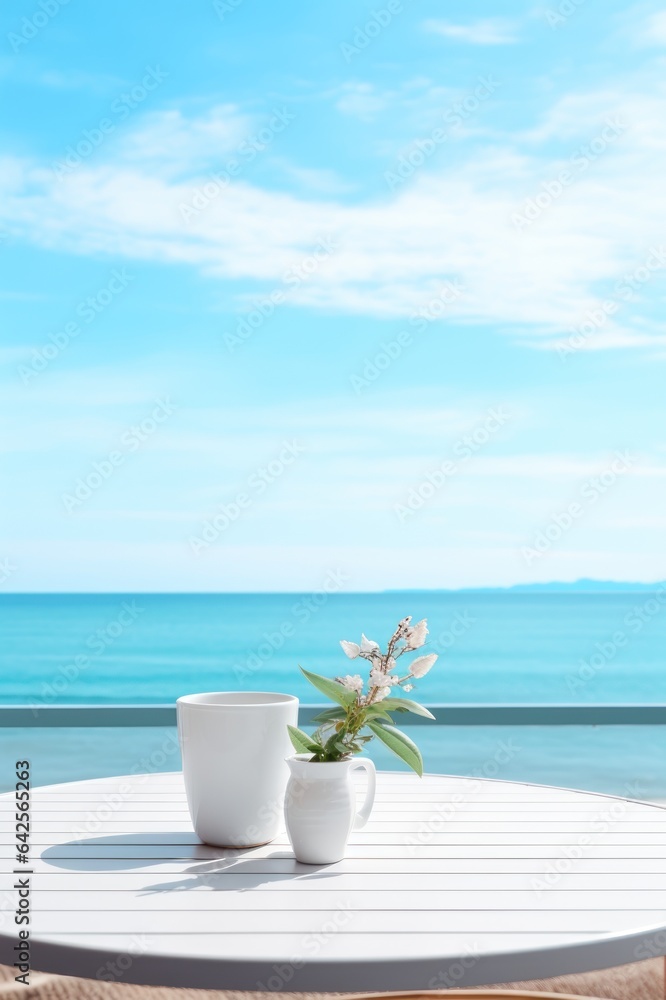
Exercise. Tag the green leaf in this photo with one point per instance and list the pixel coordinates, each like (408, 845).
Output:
(405, 705)
(331, 742)
(400, 744)
(301, 742)
(378, 712)
(331, 715)
(332, 689)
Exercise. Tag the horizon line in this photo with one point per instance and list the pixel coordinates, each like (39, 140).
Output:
(581, 583)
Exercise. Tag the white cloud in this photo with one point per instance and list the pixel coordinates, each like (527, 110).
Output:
(417, 104)
(362, 100)
(653, 30)
(394, 249)
(76, 80)
(172, 143)
(582, 116)
(321, 181)
(487, 31)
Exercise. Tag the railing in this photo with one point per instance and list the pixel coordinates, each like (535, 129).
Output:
(104, 716)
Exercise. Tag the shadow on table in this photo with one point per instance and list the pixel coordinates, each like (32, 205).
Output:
(212, 862)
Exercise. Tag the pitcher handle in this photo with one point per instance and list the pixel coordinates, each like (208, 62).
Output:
(363, 815)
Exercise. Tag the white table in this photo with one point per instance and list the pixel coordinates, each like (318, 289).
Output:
(454, 882)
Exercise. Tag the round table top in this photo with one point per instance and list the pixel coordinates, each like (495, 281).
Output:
(454, 882)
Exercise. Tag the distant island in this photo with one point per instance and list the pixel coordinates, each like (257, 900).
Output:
(584, 586)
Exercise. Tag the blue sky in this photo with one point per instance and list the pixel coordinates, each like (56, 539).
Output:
(293, 292)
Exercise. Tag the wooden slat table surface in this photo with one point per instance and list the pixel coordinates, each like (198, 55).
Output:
(454, 882)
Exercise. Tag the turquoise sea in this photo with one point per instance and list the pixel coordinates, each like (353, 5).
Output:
(494, 647)
(499, 647)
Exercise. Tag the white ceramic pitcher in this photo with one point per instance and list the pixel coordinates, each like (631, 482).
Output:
(233, 746)
(320, 807)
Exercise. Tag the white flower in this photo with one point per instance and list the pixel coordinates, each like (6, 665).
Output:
(381, 693)
(422, 664)
(368, 646)
(352, 649)
(352, 683)
(403, 626)
(408, 687)
(376, 678)
(379, 679)
(416, 635)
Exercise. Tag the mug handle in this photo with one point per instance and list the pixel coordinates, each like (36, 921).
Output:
(363, 815)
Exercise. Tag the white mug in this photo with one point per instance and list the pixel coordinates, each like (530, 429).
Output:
(234, 746)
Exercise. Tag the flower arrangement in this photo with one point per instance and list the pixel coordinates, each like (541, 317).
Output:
(360, 714)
